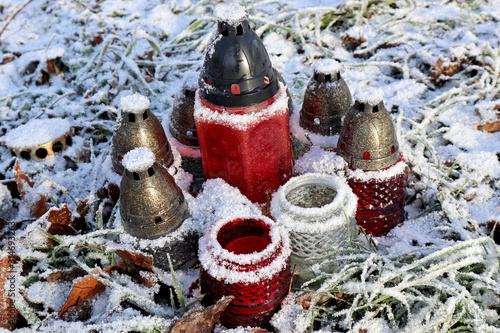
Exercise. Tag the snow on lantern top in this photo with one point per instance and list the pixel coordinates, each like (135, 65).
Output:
(327, 66)
(232, 14)
(138, 159)
(36, 132)
(237, 71)
(135, 103)
(368, 140)
(369, 95)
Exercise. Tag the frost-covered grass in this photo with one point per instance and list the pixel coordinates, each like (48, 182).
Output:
(438, 63)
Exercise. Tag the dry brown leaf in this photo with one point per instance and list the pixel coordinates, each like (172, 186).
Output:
(25, 187)
(352, 43)
(6, 59)
(52, 67)
(78, 303)
(61, 221)
(304, 299)
(132, 264)
(9, 316)
(441, 67)
(495, 228)
(201, 321)
(490, 127)
(97, 40)
(65, 276)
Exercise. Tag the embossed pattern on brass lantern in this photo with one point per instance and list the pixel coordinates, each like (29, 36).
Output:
(327, 99)
(368, 140)
(136, 127)
(151, 203)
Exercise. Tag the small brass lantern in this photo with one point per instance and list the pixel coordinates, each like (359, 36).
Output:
(151, 203)
(183, 129)
(376, 169)
(327, 99)
(136, 127)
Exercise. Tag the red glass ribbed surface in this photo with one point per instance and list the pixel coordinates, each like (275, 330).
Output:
(257, 159)
(380, 203)
(254, 303)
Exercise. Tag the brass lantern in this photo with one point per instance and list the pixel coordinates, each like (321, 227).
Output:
(327, 99)
(151, 203)
(183, 129)
(136, 127)
(368, 140)
(376, 169)
(182, 125)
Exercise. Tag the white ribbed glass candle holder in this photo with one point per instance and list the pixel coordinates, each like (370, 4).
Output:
(318, 211)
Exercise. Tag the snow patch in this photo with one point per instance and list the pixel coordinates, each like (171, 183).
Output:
(135, 103)
(230, 13)
(138, 159)
(369, 95)
(327, 66)
(36, 132)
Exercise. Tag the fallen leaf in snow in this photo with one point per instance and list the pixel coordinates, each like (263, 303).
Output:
(133, 263)
(77, 306)
(304, 299)
(444, 66)
(61, 221)
(9, 316)
(65, 276)
(201, 321)
(28, 194)
(490, 127)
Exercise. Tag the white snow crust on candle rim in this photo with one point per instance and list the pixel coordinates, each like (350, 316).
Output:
(327, 66)
(230, 13)
(359, 175)
(135, 103)
(138, 159)
(241, 121)
(369, 95)
(215, 259)
(316, 219)
(36, 132)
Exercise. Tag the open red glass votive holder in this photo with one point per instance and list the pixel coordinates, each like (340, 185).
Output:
(249, 258)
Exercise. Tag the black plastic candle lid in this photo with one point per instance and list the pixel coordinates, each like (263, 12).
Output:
(237, 71)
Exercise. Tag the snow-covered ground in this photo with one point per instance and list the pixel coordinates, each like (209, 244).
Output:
(438, 64)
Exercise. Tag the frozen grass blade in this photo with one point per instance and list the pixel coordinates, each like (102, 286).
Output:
(177, 286)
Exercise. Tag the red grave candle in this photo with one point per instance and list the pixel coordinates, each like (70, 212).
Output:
(376, 169)
(249, 147)
(241, 110)
(381, 197)
(248, 258)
